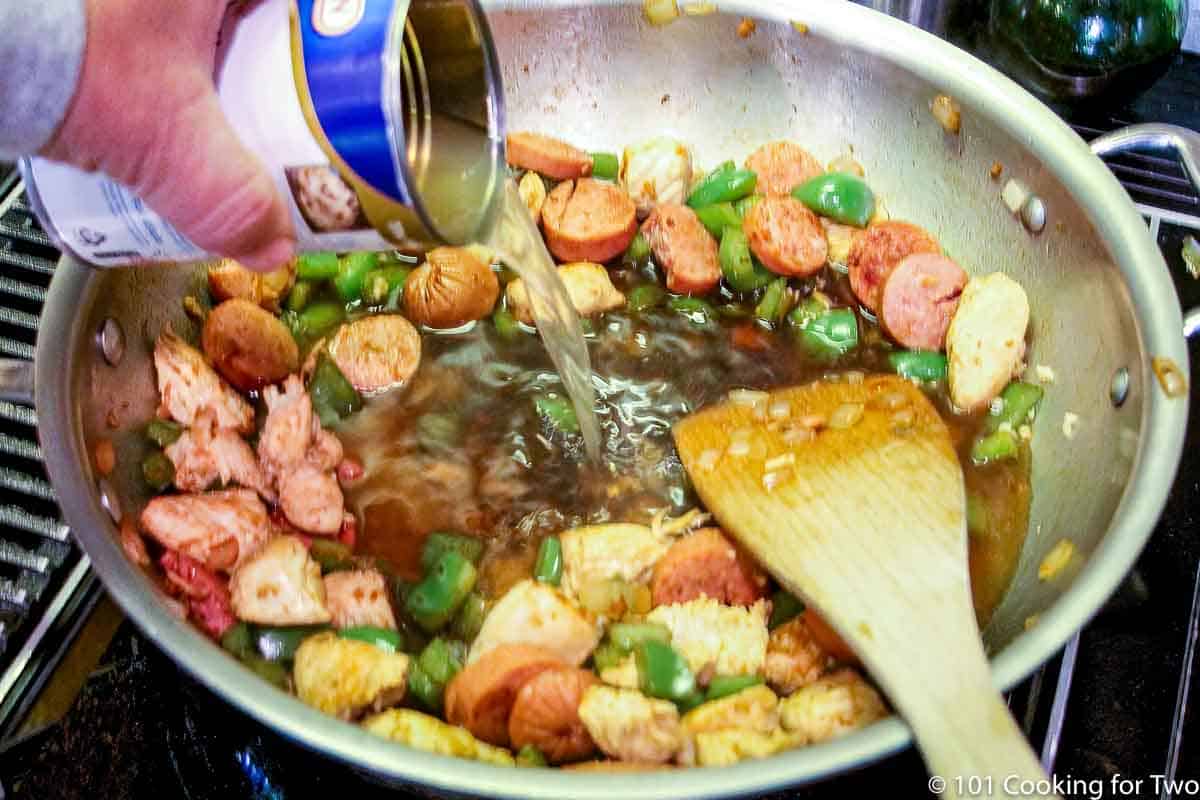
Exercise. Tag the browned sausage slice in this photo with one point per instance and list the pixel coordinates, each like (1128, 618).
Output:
(481, 696)
(588, 220)
(683, 247)
(919, 298)
(787, 238)
(546, 715)
(782, 166)
(875, 251)
(248, 345)
(376, 353)
(548, 156)
(706, 563)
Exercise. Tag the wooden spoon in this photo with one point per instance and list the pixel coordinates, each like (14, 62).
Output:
(850, 493)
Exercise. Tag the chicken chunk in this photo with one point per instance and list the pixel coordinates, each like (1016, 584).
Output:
(601, 552)
(629, 726)
(731, 745)
(794, 658)
(732, 639)
(985, 343)
(187, 384)
(279, 585)
(751, 711)
(533, 194)
(219, 529)
(424, 732)
(656, 171)
(358, 597)
(588, 285)
(537, 614)
(344, 677)
(206, 454)
(298, 457)
(832, 706)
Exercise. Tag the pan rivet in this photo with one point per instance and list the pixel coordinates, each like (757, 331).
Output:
(111, 340)
(108, 499)
(1033, 214)
(1118, 389)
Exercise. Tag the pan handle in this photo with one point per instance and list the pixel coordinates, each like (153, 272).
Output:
(1163, 138)
(16, 381)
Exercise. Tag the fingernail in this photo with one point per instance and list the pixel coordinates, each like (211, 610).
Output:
(272, 256)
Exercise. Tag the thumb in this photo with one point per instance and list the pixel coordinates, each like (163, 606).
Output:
(201, 178)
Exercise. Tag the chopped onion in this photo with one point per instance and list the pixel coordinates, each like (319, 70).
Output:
(739, 448)
(708, 459)
(1056, 560)
(660, 12)
(947, 113)
(1014, 194)
(771, 479)
(1070, 424)
(797, 435)
(812, 421)
(846, 164)
(904, 416)
(780, 409)
(700, 9)
(996, 407)
(778, 462)
(845, 415)
(747, 397)
(1191, 256)
(893, 400)
(855, 377)
(1044, 374)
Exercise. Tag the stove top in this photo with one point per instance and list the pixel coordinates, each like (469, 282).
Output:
(118, 719)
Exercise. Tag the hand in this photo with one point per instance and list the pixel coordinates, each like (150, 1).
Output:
(146, 113)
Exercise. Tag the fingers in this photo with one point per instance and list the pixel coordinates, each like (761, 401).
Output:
(200, 177)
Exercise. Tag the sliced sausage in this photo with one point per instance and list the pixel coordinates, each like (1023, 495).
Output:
(228, 279)
(787, 238)
(985, 343)
(782, 166)
(376, 353)
(481, 696)
(588, 220)
(829, 639)
(875, 251)
(248, 345)
(918, 300)
(546, 715)
(551, 157)
(705, 563)
(588, 285)
(683, 247)
(453, 287)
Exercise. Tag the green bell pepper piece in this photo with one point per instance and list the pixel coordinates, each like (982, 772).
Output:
(607, 655)
(316, 266)
(995, 446)
(281, 643)
(638, 251)
(628, 635)
(725, 685)
(163, 432)
(697, 311)
(784, 606)
(664, 673)
(433, 602)
(375, 289)
(1018, 400)
(506, 325)
(299, 296)
(921, 365)
(840, 196)
(605, 166)
(724, 184)
(548, 567)
(351, 274)
(158, 471)
(718, 217)
(741, 271)
(439, 661)
(469, 619)
(387, 640)
(770, 307)
(425, 689)
(331, 555)
(333, 397)
(238, 640)
(270, 671)
(558, 410)
(734, 311)
(645, 297)
(530, 756)
(438, 543)
(825, 333)
(743, 206)
(319, 318)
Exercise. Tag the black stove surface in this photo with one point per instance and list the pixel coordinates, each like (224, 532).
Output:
(1113, 707)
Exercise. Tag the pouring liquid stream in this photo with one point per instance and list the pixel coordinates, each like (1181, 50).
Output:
(516, 240)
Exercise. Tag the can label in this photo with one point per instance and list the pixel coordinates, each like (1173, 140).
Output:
(313, 88)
